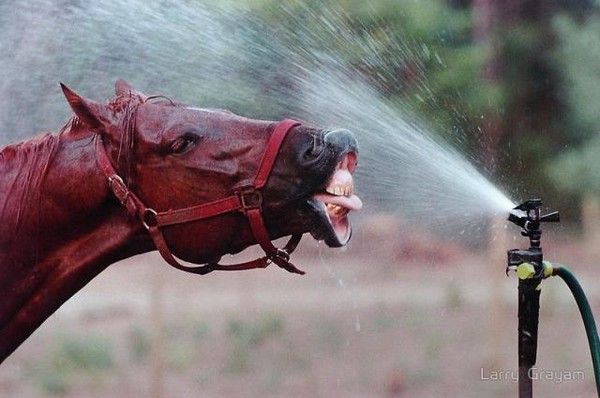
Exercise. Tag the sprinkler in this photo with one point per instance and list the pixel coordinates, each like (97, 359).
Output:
(528, 216)
(531, 269)
(529, 265)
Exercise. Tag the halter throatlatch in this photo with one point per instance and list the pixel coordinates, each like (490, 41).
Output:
(247, 200)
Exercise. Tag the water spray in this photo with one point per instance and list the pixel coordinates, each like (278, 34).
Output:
(531, 269)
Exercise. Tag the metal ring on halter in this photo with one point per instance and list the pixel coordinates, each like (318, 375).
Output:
(149, 218)
(281, 254)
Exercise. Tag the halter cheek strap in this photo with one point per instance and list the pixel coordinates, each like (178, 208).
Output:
(248, 201)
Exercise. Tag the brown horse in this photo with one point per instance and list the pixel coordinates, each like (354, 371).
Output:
(61, 223)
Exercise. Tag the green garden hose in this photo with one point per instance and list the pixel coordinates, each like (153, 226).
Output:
(586, 314)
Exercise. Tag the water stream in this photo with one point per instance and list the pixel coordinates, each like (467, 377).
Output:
(225, 55)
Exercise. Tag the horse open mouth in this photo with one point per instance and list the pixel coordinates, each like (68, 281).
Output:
(335, 202)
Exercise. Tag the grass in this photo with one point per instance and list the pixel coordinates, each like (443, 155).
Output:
(52, 382)
(139, 344)
(74, 358)
(249, 335)
(454, 296)
(329, 337)
(255, 333)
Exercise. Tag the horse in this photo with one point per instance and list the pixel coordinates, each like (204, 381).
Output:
(140, 173)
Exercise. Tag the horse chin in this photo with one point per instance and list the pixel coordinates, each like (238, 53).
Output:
(335, 232)
(330, 207)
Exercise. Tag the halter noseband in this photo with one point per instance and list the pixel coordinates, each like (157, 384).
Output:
(247, 200)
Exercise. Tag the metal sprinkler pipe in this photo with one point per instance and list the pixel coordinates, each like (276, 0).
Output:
(529, 266)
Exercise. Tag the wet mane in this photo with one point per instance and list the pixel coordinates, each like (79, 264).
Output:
(24, 166)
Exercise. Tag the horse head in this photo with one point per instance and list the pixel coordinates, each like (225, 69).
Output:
(175, 156)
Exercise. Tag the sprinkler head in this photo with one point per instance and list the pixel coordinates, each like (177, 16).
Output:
(528, 216)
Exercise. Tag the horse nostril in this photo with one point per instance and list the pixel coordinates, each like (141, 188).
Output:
(317, 147)
(334, 142)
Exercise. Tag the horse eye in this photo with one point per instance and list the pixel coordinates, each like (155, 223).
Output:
(184, 143)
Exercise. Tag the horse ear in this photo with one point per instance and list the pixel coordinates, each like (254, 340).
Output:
(93, 114)
(123, 88)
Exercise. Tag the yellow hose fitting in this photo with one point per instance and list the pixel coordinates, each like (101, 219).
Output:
(548, 269)
(525, 271)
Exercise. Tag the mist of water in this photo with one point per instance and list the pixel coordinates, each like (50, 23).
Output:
(407, 163)
(226, 56)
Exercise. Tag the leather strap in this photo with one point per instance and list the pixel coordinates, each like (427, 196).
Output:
(272, 150)
(248, 201)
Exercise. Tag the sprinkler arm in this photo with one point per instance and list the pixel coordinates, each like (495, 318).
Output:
(528, 216)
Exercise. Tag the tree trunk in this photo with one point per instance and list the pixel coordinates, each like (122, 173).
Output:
(488, 17)
(590, 214)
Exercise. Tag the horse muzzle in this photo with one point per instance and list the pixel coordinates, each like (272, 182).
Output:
(333, 202)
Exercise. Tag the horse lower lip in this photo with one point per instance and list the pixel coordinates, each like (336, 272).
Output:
(336, 229)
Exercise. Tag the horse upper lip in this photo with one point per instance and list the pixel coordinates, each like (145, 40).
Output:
(340, 187)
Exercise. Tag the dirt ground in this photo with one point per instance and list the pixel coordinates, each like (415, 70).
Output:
(361, 323)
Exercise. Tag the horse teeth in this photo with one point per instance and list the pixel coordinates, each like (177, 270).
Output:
(339, 190)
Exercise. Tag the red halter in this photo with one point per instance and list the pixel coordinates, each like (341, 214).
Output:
(247, 200)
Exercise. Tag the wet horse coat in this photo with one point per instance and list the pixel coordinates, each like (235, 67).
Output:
(61, 225)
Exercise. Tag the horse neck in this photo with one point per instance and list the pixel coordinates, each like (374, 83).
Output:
(70, 231)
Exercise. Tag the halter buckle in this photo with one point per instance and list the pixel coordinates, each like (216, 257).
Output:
(250, 199)
(120, 190)
(284, 256)
(280, 254)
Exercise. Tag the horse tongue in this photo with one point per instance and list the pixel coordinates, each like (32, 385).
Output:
(352, 202)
